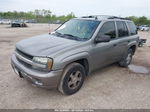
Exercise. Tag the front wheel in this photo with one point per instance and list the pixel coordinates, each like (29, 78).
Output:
(72, 79)
(127, 59)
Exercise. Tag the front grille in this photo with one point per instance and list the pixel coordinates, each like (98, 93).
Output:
(26, 60)
(24, 54)
(24, 63)
(29, 57)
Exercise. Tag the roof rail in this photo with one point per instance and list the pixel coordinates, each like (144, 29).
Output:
(115, 17)
(104, 17)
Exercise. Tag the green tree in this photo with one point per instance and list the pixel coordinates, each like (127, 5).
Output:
(43, 16)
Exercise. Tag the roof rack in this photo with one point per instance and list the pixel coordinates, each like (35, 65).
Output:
(104, 17)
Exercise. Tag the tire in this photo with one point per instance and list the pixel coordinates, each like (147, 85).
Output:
(127, 59)
(72, 79)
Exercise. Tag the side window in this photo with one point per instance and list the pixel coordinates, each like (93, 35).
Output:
(122, 29)
(132, 28)
(108, 28)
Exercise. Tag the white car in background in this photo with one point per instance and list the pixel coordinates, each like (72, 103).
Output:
(1, 22)
(5, 21)
(144, 28)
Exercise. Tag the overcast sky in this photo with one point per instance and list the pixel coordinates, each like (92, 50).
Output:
(81, 7)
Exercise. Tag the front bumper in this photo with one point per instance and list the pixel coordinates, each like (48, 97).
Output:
(41, 79)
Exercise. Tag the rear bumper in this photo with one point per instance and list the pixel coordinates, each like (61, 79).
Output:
(40, 79)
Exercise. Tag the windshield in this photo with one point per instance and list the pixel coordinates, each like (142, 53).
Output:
(78, 29)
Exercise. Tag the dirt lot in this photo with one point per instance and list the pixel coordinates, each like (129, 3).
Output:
(111, 87)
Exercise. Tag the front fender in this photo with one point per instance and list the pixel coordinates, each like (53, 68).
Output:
(61, 63)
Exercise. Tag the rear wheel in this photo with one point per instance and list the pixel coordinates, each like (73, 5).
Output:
(72, 79)
(127, 59)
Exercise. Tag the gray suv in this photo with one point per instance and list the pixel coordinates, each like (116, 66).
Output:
(63, 58)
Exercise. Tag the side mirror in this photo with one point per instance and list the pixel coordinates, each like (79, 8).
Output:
(104, 38)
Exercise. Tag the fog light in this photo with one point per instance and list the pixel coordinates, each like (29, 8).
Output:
(38, 83)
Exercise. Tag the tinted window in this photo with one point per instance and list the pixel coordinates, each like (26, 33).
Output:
(108, 28)
(122, 29)
(132, 27)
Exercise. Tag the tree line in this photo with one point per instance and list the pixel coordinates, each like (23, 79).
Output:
(140, 20)
(45, 16)
(41, 16)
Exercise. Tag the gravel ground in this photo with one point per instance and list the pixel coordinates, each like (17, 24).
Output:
(111, 87)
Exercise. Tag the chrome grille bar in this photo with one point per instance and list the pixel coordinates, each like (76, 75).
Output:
(29, 61)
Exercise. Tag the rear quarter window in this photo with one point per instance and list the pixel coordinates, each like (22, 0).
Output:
(132, 28)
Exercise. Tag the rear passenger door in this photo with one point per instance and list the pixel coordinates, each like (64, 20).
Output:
(122, 39)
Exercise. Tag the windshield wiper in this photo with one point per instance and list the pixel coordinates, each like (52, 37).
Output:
(72, 36)
(59, 34)
(68, 36)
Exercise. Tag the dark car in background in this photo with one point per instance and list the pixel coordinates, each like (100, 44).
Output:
(18, 24)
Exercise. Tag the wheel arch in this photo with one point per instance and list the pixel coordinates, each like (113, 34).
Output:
(83, 61)
(133, 47)
(82, 58)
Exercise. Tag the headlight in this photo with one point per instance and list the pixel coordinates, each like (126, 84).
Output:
(44, 63)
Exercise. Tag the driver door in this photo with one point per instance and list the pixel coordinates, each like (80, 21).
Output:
(104, 53)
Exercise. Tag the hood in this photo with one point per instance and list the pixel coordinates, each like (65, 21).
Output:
(44, 45)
